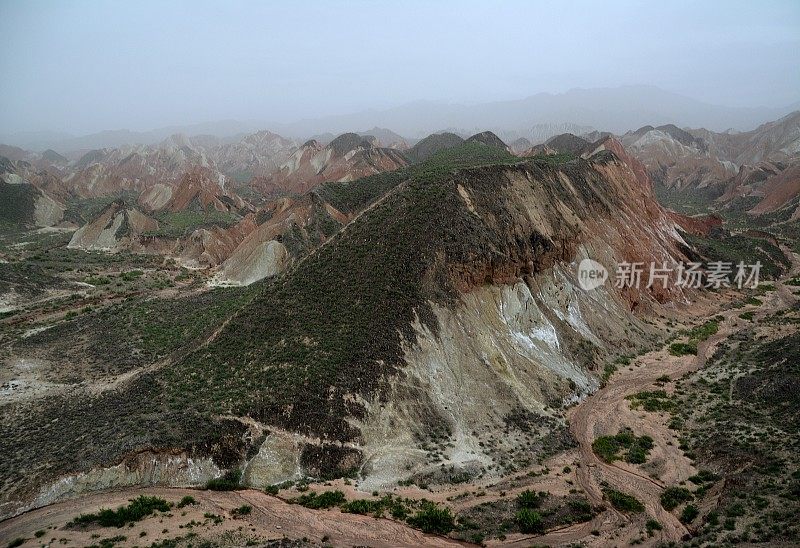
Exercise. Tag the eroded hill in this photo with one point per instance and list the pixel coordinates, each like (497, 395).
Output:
(445, 311)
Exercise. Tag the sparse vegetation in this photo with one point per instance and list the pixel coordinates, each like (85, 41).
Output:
(734, 248)
(635, 448)
(738, 414)
(494, 519)
(187, 500)
(243, 510)
(230, 481)
(433, 519)
(683, 349)
(327, 499)
(672, 497)
(689, 513)
(653, 401)
(623, 501)
(690, 200)
(138, 509)
(529, 521)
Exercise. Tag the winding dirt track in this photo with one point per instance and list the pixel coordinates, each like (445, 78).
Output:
(603, 412)
(598, 415)
(271, 518)
(586, 419)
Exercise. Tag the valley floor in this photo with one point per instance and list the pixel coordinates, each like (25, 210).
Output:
(608, 411)
(270, 520)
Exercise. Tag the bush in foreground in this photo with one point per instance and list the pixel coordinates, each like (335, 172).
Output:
(187, 500)
(530, 499)
(433, 519)
(623, 501)
(138, 509)
(362, 506)
(231, 481)
(243, 510)
(652, 526)
(672, 497)
(529, 521)
(689, 513)
(636, 448)
(328, 499)
(683, 349)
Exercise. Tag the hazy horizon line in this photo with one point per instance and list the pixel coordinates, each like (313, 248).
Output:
(266, 124)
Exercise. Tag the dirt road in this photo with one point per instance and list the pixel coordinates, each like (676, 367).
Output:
(270, 518)
(606, 411)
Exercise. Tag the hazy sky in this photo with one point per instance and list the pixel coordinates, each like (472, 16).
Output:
(82, 66)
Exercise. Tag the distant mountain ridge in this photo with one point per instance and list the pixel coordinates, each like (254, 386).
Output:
(536, 118)
(65, 143)
(618, 110)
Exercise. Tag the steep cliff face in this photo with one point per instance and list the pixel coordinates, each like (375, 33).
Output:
(505, 359)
